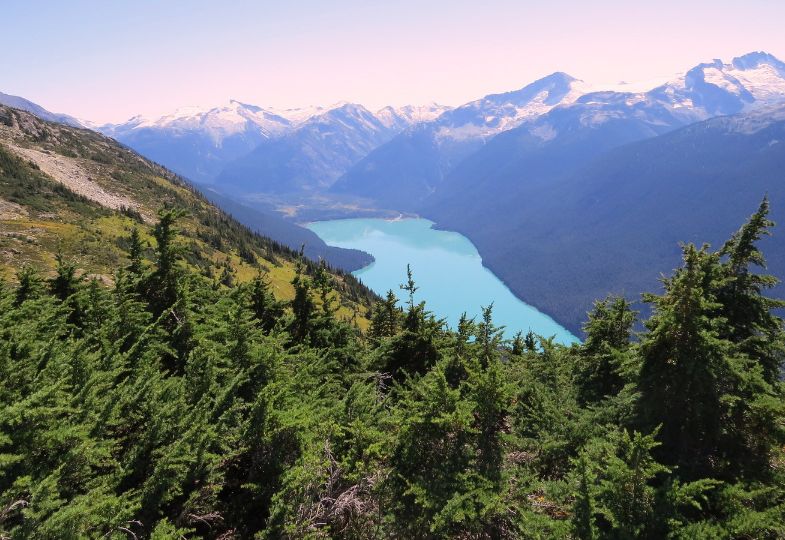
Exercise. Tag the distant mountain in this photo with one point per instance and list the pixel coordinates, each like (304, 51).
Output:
(714, 88)
(313, 154)
(197, 143)
(33, 108)
(402, 117)
(221, 124)
(551, 145)
(558, 118)
(613, 223)
(406, 170)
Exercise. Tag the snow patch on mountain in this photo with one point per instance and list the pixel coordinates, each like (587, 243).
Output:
(217, 123)
(409, 115)
(488, 116)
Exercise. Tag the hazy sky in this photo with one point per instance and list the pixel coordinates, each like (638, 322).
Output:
(108, 60)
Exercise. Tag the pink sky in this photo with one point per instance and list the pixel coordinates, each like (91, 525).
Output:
(107, 61)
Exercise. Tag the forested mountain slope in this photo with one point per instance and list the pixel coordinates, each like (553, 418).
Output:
(79, 194)
(571, 234)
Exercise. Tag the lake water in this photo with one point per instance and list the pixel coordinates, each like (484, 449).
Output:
(447, 269)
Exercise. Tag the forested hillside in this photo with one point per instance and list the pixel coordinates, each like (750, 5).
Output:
(79, 194)
(611, 222)
(166, 405)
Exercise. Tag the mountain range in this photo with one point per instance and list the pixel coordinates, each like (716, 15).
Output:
(550, 181)
(557, 111)
(244, 147)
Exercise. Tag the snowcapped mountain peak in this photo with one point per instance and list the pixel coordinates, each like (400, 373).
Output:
(409, 115)
(495, 113)
(716, 88)
(552, 89)
(233, 103)
(217, 123)
(754, 60)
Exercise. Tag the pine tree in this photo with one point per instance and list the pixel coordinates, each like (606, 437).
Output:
(751, 323)
(29, 286)
(303, 306)
(162, 286)
(266, 309)
(489, 336)
(135, 253)
(385, 318)
(684, 367)
(601, 363)
(64, 284)
(717, 411)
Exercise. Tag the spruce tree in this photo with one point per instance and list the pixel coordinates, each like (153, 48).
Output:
(303, 306)
(750, 320)
(602, 355)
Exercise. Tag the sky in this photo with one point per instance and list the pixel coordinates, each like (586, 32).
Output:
(109, 60)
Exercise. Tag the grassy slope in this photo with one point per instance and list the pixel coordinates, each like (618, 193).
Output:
(39, 216)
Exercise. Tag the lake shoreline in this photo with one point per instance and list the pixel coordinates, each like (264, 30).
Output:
(442, 261)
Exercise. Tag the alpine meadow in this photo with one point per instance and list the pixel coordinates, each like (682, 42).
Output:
(552, 311)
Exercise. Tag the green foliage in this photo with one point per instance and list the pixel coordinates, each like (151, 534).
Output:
(169, 406)
(602, 369)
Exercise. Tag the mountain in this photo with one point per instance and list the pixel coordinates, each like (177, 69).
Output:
(553, 112)
(612, 224)
(551, 145)
(406, 170)
(714, 88)
(196, 142)
(312, 155)
(401, 118)
(78, 194)
(27, 105)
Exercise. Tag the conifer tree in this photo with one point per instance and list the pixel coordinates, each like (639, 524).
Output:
(162, 286)
(608, 331)
(135, 253)
(751, 321)
(266, 309)
(64, 283)
(303, 306)
(685, 367)
(717, 411)
(29, 286)
(385, 318)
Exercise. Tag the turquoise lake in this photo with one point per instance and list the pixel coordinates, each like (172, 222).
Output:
(447, 269)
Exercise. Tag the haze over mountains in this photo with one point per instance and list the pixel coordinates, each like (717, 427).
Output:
(550, 181)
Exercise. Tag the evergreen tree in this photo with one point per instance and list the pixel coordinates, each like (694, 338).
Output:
(303, 306)
(162, 286)
(751, 321)
(266, 309)
(64, 284)
(385, 318)
(717, 412)
(29, 286)
(135, 253)
(602, 356)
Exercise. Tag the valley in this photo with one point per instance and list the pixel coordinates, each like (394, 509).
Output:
(392, 270)
(442, 263)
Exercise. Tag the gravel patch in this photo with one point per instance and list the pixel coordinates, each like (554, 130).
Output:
(68, 172)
